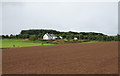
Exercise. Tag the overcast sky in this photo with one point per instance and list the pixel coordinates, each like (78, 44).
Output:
(62, 16)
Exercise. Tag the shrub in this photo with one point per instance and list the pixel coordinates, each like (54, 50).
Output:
(32, 37)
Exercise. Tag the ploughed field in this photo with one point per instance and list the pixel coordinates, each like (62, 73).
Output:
(85, 58)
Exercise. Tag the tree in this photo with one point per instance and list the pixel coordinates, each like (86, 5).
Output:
(3, 36)
(40, 35)
(11, 36)
(33, 37)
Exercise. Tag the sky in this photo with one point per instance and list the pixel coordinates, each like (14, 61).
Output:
(62, 16)
(60, 0)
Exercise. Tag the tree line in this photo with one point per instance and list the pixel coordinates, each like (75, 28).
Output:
(38, 34)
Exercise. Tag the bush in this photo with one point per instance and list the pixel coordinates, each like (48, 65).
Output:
(32, 37)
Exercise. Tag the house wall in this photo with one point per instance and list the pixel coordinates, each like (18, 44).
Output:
(45, 37)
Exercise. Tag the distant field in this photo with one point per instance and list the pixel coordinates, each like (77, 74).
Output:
(90, 42)
(8, 43)
(11, 43)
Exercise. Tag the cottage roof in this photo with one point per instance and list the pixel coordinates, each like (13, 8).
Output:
(50, 35)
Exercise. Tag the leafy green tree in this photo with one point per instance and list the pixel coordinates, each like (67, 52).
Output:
(7, 36)
(32, 37)
(3, 36)
(40, 35)
(11, 36)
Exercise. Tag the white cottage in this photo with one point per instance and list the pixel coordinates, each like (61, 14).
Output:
(49, 36)
(60, 37)
(75, 38)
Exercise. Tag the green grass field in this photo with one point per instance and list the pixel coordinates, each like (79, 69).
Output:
(11, 43)
(8, 43)
(90, 42)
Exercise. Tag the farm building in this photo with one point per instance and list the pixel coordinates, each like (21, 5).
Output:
(49, 36)
(75, 38)
(60, 37)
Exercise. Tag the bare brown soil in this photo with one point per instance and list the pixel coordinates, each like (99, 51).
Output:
(88, 58)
